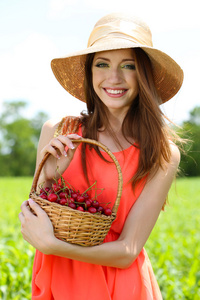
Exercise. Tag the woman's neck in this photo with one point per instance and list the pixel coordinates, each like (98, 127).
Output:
(115, 119)
(113, 137)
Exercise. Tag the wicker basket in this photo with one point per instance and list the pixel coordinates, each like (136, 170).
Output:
(73, 226)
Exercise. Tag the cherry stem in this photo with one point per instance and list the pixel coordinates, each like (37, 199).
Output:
(89, 188)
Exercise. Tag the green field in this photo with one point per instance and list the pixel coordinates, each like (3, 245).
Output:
(173, 247)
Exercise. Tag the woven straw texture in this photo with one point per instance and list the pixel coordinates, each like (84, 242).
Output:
(70, 225)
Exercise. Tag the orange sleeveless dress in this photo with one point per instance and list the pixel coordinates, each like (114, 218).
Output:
(58, 278)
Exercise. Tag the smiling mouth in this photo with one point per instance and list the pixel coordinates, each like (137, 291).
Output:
(115, 92)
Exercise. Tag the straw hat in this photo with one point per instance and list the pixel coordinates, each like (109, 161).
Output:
(119, 31)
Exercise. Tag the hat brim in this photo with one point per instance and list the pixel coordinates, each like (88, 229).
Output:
(70, 70)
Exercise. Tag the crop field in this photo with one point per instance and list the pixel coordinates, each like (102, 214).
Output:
(173, 246)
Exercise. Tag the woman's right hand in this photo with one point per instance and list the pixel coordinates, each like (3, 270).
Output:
(62, 151)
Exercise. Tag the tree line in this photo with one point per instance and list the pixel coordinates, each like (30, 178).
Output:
(19, 137)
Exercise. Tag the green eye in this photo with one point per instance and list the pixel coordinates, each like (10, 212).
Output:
(102, 65)
(129, 67)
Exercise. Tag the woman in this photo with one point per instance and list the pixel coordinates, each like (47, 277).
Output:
(123, 80)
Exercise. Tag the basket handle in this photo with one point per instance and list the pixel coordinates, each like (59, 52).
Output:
(105, 148)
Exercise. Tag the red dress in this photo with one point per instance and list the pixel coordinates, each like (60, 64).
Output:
(60, 278)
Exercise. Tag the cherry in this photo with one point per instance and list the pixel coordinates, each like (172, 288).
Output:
(52, 197)
(74, 195)
(95, 203)
(107, 211)
(56, 187)
(85, 195)
(63, 201)
(72, 205)
(100, 209)
(88, 203)
(80, 199)
(43, 196)
(63, 195)
(70, 200)
(80, 208)
(92, 210)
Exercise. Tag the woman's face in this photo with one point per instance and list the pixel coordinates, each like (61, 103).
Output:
(114, 78)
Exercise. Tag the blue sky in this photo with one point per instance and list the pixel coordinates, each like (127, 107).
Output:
(34, 32)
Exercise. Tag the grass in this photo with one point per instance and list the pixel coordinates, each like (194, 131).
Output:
(16, 256)
(173, 246)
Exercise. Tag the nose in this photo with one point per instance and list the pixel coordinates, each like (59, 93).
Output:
(115, 76)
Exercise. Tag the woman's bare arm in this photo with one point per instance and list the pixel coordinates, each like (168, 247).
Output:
(137, 228)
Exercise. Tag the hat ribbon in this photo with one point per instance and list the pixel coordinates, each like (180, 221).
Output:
(121, 29)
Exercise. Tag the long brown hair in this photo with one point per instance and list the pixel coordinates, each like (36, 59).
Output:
(144, 121)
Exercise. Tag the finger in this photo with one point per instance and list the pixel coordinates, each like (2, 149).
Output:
(57, 147)
(74, 137)
(21, 217)
(36, 208)
(25, 210)
(59, 144)
(52, 150)
(24, 205)
(67, 140)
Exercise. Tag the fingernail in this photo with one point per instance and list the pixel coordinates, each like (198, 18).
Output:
(65, 153)
(72, 146)
(58, 157)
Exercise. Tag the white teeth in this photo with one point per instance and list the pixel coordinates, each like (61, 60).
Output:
(115, 91)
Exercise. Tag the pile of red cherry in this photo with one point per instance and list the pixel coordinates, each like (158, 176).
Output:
(64, 195)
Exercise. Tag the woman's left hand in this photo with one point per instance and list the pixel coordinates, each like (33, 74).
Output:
(36, 229)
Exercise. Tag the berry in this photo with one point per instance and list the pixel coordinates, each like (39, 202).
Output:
(56, 187)
(88, 203)
(63, 195)
(43, 196)
(92, 210)
(80, 208)
(100, 209)
(52, 197)
(72, 205)
(95, 203)
(107, 211)
(80, 199)
(85, 195)
(70, 200)
(63, 201)
(74, 195)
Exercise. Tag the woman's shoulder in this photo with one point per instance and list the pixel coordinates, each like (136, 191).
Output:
(175, 154)
(50, 126)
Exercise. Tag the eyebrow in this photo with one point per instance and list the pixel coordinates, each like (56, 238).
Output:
(123, 60)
